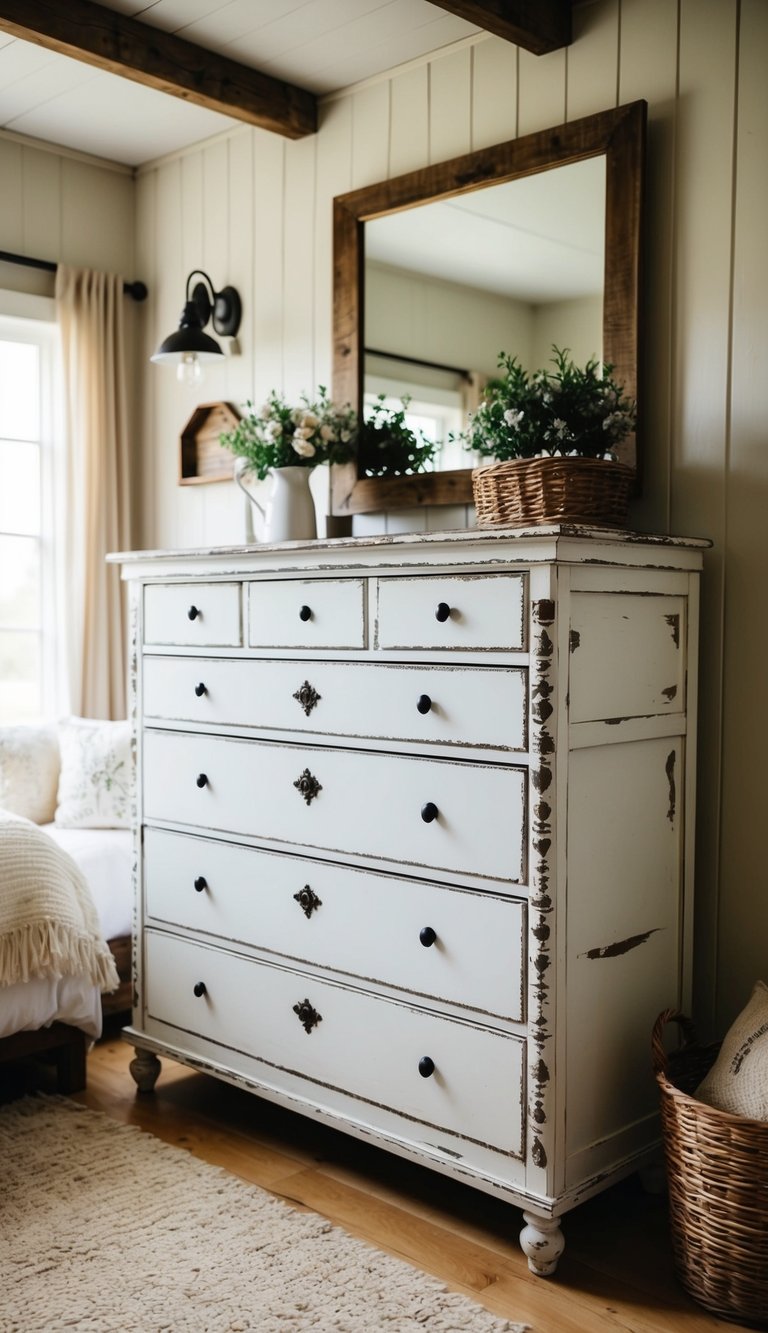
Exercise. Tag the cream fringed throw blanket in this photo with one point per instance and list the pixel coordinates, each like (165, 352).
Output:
(49, 926)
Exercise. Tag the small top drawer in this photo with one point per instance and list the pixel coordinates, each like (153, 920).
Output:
(453, 611)
(203, 614)
(306, 613)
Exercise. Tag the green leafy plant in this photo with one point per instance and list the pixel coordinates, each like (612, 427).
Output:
(279, 435)
(388, 447)
(566, 411)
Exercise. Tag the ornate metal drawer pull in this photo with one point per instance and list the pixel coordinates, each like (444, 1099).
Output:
(307, 697)
(308, 785)
(308, 1015)
(308, 900)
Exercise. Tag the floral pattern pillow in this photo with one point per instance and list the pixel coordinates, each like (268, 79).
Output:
(29, 771)
(96, 781)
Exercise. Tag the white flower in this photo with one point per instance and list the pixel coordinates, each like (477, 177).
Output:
(326, 433)
(309, 421)
(272, 430)
(346, 436)
(266, 411)
(303, 447)
(513, 417)
(560, 428)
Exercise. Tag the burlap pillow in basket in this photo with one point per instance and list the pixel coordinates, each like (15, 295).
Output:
(553, 490)
(738, 1080)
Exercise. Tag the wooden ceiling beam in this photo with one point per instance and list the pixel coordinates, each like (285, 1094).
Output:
(87, 31)
(538, 25)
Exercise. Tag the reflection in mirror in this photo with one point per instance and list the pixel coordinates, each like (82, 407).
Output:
(516, 268)
(514, 248)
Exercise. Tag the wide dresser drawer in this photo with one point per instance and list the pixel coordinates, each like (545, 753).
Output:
(452, 612)
(457, 945)
(442, 1072)
(205, 615)
(473, 706)
(433, 813)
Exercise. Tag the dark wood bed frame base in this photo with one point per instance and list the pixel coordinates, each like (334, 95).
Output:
(66, 1046)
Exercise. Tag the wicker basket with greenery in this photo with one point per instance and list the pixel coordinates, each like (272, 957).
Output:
(552, 435)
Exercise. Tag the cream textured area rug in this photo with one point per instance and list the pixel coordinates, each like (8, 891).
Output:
(104, 1229)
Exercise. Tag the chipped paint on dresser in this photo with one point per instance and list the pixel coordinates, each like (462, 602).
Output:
(542, 742)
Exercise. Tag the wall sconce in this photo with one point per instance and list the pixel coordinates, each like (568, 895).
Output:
(188, 348)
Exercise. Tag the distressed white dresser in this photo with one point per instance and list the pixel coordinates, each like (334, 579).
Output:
(414, 842)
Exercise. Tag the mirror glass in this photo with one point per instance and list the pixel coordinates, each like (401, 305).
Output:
(512, 268)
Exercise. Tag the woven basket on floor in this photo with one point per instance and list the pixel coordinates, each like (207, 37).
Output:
(553, 490)
(717, 1170)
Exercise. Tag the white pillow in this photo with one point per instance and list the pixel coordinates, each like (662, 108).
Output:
(96, 781)
(738, 1080)
(29, 771)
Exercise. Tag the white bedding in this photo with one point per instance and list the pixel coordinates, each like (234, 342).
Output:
(104, 856)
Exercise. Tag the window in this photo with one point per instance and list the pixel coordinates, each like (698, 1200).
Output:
(28, 389)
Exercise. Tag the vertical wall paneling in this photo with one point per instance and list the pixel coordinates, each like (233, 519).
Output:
(333, 176)
(494, 92)
(541, 91)
(41, 203)
(299, 315)
(149, 498)
(743, 923)
(648, 69)
(592, 59)
(450, 98)
(370, 135)
(97, 224)
(174, 402)
(268, 263)
(409, 120)
(11, 196)
(701, 374)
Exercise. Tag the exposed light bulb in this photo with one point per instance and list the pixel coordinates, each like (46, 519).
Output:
(189, 371)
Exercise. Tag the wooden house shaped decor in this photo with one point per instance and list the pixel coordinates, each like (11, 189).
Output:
(201, 457)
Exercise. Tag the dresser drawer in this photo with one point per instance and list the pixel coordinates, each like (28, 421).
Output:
(307, 613)
(343, 1040)
(454, 611)
(450, 944)
(342, 800)
(477, 706)
(202, 614)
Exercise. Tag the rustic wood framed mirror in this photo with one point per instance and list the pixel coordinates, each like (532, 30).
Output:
(615, 142)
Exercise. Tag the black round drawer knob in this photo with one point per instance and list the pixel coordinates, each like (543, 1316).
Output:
(202, 780)
(199, 989)
(426, 1066)
(193, 613)
(427, 936)
(424, 703)
(201, 883)
(429, 812)
(200, 690)
(443, 611)
(305, 613)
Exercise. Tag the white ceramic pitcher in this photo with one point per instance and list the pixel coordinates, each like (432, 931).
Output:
(289, 514)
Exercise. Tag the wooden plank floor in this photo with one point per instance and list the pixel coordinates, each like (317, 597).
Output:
(616, 1273)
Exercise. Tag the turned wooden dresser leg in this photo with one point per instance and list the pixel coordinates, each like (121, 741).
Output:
(542, 1242)
(145, 1068)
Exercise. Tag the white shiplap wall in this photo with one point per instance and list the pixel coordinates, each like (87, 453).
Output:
(256, 212)
(63, 207)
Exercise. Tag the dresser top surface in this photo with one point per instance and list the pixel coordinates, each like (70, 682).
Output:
(535, 545)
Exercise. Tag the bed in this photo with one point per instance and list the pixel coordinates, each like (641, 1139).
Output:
(45, 1008)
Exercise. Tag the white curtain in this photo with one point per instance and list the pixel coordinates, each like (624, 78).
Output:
(98, 486)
